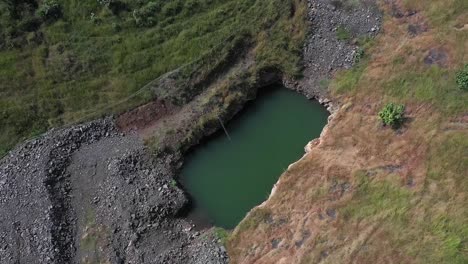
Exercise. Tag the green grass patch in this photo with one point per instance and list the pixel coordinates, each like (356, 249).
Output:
(256, 217)
(429, 225)
(434, 85)
(222, 234)
(347, 81)
(445, 201)
(378, 199)
(96, 55)
(449, 158)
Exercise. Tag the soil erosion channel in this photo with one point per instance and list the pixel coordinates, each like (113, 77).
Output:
(230, 174)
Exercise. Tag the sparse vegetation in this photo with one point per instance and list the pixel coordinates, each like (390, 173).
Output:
(359, 55)
(324, 83)
(257, 216)
(392, 114)
(346, 80)
(173, 183)
(222, 234)
(380, 198)
(342, 33)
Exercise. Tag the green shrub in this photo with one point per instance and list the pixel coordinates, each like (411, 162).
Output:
(359, 55)
(50, 10)
(462, 78)
(392, 114)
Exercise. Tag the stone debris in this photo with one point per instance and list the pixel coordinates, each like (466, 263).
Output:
(324, 52)
(90, 193)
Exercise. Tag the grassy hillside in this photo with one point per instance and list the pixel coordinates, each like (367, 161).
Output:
(68, 61)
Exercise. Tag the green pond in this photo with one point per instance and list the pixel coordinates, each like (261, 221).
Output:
(227, 176)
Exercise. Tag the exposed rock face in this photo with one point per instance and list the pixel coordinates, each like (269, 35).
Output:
(91, 194)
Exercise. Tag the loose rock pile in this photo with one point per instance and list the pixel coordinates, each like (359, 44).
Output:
(90, 193)
(324, 52)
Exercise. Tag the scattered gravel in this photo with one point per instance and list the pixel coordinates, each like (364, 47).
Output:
(88, 193)
(324, 52)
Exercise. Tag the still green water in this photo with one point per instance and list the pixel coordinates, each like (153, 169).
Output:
(226, 178)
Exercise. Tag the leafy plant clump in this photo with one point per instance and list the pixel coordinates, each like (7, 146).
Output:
(462, 78)
(359, 55)
(392, 114)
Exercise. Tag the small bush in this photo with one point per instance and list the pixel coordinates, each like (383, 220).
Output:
(462, 78)
(359, 55)
(392, 114)
(50, 10)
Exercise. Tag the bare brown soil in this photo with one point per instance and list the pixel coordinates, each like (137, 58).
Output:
(145, 116)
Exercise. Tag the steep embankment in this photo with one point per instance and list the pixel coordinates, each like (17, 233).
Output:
(365, 193)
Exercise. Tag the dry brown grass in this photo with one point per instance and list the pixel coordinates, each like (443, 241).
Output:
(369, 194)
